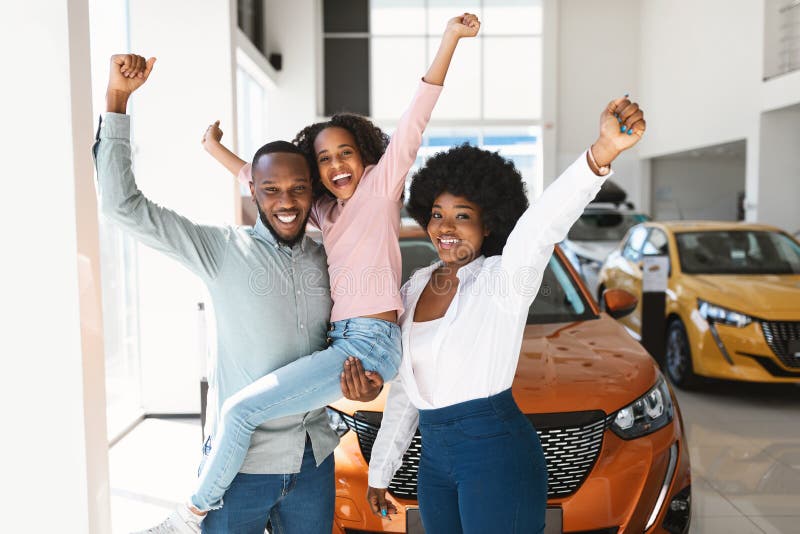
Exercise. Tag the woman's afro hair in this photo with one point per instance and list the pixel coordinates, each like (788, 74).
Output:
(371, 143)
(480, 176)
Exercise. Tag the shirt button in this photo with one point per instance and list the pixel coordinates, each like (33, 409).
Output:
(298, 291)
(302, 326)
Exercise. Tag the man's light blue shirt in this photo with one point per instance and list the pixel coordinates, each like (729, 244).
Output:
(272, 302)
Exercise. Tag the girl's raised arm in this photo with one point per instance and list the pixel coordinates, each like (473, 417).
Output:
(407, 137)
(466, 25)
(212, 142)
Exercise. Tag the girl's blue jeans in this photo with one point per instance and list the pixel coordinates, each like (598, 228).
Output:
(306, 384)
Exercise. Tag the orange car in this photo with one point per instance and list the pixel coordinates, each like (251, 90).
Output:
(609, 424)
(733, 298)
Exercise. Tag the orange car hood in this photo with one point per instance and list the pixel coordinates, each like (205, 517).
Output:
(591, 365)
(581, 366)
(756, 295)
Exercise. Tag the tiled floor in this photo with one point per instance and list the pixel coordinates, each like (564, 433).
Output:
(744, 441)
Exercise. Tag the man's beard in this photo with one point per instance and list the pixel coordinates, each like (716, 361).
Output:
(283, 241)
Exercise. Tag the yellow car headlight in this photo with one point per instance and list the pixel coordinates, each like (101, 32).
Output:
(717, 314)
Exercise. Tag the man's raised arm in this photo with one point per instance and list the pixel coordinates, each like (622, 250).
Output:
(199, 248)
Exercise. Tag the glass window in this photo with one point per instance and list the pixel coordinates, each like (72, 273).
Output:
(462, 99)
(397, 17)
(251, 117)
(656, 244)
(397, 65)
(521, 145)
(509, 46)
(738, 252)
(118, 251)
(634, 245)
(512, 77)
(512, 17)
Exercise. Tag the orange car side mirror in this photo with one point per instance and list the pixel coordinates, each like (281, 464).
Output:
(619, 303)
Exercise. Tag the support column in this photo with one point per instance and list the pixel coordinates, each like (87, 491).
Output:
(54, 449)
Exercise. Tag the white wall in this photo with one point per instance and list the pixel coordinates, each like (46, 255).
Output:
(779, 184)
(597, 61)
(701, 187)
(53, 454)
(700, 72)
(296, 34)
(192, 85)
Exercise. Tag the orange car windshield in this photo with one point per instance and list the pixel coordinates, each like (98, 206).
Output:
(738, 252)
(559, 299)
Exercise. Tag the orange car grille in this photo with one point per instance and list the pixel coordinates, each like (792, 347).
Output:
(779, 337)
(571, 443)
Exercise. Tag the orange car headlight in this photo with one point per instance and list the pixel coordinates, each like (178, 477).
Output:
(645, 415)
(717, 314)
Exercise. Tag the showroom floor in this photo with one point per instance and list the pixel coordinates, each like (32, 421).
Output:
(744, 441)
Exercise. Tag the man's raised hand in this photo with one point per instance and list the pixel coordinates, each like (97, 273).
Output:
(127, 73)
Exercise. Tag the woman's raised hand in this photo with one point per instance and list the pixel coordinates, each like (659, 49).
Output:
(622, 125)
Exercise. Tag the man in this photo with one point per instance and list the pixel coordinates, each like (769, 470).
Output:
(269, 286)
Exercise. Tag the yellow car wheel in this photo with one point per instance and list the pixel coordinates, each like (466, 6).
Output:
(679, 357)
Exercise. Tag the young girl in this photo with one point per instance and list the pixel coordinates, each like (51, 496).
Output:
(482, 467)
(359, 218)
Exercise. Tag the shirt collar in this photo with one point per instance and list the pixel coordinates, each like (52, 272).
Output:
(263, 232)
(469, 270)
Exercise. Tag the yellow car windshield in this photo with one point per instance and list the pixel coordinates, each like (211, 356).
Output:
(738, 252)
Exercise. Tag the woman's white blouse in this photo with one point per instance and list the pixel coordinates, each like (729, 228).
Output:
(474, 350)
(422, 359)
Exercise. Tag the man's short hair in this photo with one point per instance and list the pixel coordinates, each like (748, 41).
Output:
(277, 146)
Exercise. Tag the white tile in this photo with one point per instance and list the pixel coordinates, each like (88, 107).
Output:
(706, 501)
(727, 525)
(778, 525)
(151, 470)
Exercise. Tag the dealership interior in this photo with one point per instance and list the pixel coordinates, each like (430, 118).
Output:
(667, 328)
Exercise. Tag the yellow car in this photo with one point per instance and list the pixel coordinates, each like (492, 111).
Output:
(733, 298)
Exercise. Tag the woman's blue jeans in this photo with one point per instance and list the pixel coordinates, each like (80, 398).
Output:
(308, 383)
(482, 469)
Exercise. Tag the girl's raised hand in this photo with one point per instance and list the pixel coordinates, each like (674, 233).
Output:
(465, 25)
(212, 134)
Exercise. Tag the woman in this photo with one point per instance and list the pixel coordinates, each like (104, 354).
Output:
(482, 467)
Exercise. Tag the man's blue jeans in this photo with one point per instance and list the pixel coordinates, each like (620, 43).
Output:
(307, 383)
(300, 503)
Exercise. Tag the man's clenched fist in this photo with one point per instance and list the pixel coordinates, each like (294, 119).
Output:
(128, 72)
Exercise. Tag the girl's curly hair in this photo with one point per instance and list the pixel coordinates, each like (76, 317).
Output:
(371, 143)
(480, 176)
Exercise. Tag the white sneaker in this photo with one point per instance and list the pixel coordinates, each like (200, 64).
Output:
(180, 521)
